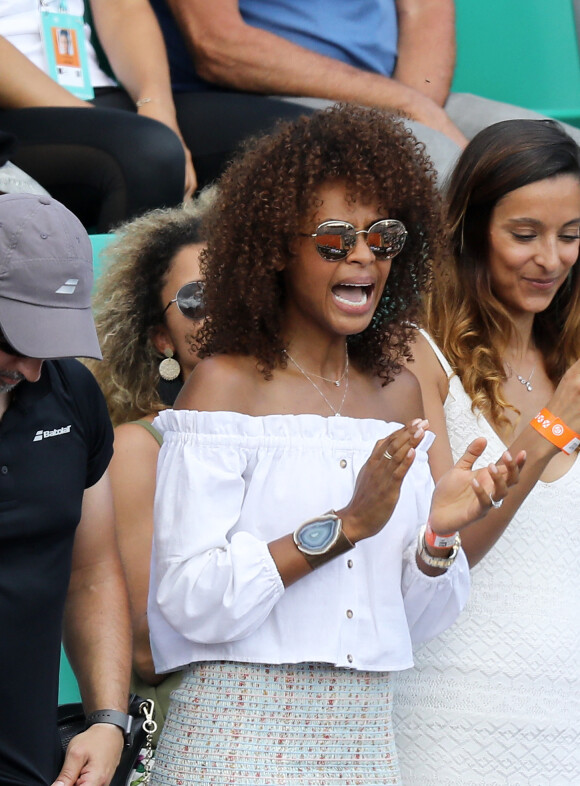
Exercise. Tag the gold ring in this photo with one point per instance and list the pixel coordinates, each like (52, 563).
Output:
(387, 455)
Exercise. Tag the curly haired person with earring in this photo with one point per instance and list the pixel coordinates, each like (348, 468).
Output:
(149, 306)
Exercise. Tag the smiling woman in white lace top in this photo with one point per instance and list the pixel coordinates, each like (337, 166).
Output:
(497, 698)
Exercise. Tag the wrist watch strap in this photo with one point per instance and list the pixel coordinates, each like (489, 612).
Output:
(115, 718)
(437, 562)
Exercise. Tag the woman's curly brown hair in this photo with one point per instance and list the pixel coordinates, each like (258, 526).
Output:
(463, 314)
(127, 305)
(265, 197)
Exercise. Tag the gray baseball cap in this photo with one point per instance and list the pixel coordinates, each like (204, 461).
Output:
(46, 276)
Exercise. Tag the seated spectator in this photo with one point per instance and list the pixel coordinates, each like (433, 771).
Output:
(105, 165)
(148, 307)
(397, 54)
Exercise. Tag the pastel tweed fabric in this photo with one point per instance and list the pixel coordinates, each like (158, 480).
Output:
(241, 724)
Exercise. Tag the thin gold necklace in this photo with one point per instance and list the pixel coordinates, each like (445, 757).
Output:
(336, 382)
(335, 412)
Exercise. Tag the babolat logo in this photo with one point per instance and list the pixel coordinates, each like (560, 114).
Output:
(55, 432)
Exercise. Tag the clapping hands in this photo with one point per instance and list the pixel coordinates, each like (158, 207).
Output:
(464, 495)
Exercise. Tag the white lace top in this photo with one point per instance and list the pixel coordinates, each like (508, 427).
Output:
(496, 698)
(227, 485)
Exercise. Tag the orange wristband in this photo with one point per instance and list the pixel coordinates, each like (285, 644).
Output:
(439, 541)
(556, 432)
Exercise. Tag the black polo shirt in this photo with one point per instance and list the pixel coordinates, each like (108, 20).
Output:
(55, 441)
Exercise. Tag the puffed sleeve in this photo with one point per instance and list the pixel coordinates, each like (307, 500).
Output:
(432, 603)
(212, 583)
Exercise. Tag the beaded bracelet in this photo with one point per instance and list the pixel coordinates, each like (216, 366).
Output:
(555, 431)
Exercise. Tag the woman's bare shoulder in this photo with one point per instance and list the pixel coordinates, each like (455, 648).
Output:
(424, 363)
(402, 401)
(134, 436)
(220, 383)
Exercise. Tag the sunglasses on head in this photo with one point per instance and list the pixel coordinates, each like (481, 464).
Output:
(189, 300)
(336, 239)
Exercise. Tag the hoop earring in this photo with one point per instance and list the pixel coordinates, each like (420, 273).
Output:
(169, 367)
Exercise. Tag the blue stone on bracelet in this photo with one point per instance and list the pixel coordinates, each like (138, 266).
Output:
(318, 535)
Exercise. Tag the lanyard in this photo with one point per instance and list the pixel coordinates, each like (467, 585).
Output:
(63, 36)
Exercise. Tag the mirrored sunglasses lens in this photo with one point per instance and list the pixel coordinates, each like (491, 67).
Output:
(190, 300)
(334, 239)
(387, 238)
(375, 243)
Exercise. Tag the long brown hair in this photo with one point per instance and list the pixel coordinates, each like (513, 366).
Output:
(462, 313)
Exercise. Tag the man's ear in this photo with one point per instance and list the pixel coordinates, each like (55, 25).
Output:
(160, 339)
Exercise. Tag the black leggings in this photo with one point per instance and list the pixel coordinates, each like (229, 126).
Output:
(108, 164)
(214, 124)
(104, 164)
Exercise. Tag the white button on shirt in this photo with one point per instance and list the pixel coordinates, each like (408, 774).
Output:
(227, 485)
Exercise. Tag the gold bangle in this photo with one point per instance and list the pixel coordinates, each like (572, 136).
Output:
(437, 562)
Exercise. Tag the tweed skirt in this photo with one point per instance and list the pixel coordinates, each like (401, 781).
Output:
(261, 725)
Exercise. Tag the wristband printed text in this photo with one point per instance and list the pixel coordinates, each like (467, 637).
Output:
(555, 431)
(439, 541)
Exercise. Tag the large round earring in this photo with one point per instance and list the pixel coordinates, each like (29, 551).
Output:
(169, 367)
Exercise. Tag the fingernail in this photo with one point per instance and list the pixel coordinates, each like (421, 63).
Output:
(476, 483)
(493, 469)
(508, 456)
(416, 422)
(418, 433)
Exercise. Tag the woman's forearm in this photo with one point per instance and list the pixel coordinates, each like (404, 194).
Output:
(23, 85)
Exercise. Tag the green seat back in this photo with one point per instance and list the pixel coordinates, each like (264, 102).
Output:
(68, 689)
(523, 52)
(99, 242)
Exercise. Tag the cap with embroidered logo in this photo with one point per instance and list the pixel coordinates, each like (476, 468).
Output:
(46, 276)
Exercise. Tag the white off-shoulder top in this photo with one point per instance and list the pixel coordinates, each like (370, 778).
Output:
(227, 485)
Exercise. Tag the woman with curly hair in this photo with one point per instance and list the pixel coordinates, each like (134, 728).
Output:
(288, 578)
(148, 310)
(503, 343)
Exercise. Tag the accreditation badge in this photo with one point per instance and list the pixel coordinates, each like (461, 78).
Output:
(66, 54)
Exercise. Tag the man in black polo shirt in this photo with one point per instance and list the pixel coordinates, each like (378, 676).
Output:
(60, 574)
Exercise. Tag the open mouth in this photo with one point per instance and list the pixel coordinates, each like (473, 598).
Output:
(353, 294)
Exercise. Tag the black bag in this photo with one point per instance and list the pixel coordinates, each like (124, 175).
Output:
(71, 721)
